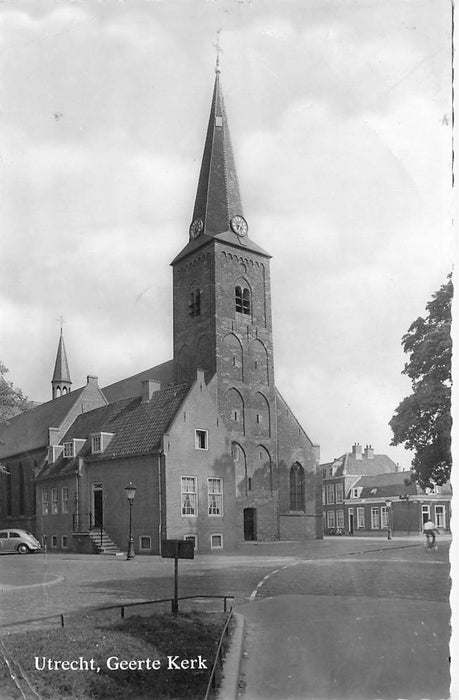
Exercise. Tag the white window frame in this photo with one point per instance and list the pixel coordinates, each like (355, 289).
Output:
(64, 542)
(65, 499)
(330, 494)
(440, 511)
(141, 547)
(69, 449)
(96, 444)
(355, 493)
(425, 511)
(45, 502)
(216, 546)
(374, 518)
(201, 436)
(384, 517)
(340, 519)
(330, 519)
(360, 518)
(192, 496)
(54, 501)
(339, 493)
(214, 498)
(324, 495)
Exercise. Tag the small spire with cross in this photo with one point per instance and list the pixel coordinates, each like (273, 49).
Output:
(218, 49)
(61, 322)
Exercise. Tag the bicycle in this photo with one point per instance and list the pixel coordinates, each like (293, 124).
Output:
(430, 544)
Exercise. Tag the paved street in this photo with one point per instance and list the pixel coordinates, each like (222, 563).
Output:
(373, 625)
(339, 618)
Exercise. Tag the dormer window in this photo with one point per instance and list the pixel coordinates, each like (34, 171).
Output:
(96, 444)
(69, 450)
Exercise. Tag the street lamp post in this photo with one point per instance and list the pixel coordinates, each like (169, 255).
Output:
(130, 493)
(389, 518)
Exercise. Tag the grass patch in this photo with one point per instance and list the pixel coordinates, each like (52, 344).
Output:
(168, 641)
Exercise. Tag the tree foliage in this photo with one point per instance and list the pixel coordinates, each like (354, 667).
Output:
(12, 400)
(422, 421)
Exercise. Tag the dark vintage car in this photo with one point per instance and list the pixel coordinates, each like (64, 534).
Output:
(19, 541)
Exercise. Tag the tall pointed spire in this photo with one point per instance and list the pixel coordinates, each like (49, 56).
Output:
(218, 209)
(217, 197)
(61, 382)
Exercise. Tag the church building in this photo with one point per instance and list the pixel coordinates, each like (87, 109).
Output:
(213, 448)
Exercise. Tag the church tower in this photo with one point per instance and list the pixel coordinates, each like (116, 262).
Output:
(222, 324)
(61, 382)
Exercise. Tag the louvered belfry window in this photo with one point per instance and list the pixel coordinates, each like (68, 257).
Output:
(194, 303)
(242, 298)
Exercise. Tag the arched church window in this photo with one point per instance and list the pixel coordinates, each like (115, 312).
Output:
(194, 303)
(242, 298)
(296, 487)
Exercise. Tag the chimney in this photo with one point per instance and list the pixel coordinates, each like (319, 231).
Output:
(397, 467)
(369, 452)
(357, 450)
(149, 387)
(90, 379)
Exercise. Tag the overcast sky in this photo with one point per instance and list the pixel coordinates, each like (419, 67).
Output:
(340, 117)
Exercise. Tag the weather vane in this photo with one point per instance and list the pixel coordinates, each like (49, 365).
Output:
(218, 49)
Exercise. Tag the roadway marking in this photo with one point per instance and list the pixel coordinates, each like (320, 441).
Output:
(333, 559)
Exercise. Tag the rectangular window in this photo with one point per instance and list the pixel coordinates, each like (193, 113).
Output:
(145, 542)
(323, 495)
(360, 517)
(330, 493)
(54, 501)
(216, 541)
(201, 439)
(339, 494)
(375, 518)
(189, 495)
(215, 496)
(64, 541)
(54, 541)
(65, 500)
(68, 449)
(330, 518)
(44, 502)
(425, 514)
(355, 493)
(440, 516)
(384, 516)
(340, 518)
(96, 444)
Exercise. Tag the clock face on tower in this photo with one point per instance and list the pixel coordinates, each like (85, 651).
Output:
(239, 225)
(196, 228)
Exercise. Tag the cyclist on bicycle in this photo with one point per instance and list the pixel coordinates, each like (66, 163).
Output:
(430, 531)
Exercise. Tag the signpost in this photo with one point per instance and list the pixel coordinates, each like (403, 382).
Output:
(177, 549)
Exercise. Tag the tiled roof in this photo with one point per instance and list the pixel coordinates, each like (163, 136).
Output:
(29, 430)
(348, 465)
(137, 427)
(386, 485)
(131, 386)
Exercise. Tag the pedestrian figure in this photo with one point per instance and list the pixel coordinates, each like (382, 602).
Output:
(430, 531)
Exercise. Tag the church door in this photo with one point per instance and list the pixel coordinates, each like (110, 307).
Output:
(250, 524)
(98, 505)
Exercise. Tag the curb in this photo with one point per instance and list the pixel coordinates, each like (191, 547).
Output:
(229, 686)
